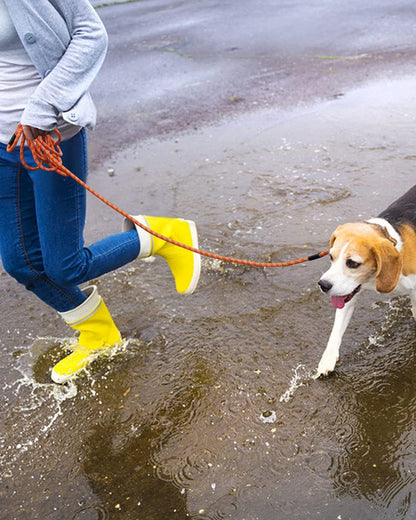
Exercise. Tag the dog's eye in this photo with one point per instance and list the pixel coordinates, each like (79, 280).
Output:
(351, 264)
(331, 258)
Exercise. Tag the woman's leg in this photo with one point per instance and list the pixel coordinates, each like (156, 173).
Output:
(19, 240)
(42, 217)
(60, 213)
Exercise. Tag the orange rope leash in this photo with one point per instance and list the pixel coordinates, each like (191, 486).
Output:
(48, 156)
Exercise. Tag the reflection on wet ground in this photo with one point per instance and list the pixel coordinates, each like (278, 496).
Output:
(210, 410)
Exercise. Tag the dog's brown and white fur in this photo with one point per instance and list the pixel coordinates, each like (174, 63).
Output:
(378, 254)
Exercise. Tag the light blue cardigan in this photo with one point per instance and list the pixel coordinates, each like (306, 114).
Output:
(67, 43)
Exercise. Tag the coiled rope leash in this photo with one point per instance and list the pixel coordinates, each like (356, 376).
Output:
(48, 156)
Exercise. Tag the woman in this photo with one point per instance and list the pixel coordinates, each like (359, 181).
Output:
(50, 52)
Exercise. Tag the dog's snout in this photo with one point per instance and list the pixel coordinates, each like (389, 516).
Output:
(325, 285)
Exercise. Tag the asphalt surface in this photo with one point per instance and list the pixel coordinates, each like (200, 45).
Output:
(176, 65)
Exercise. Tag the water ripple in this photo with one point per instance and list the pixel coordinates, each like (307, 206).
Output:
(321, 462)
(392, 490)
(93, 512)
(224, 507)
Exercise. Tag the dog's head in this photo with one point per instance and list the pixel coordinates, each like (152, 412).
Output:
(360, 253)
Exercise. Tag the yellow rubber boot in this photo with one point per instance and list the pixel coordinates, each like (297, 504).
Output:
(185, 265)
(97, 333)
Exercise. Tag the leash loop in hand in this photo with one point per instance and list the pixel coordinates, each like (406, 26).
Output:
(45, 150)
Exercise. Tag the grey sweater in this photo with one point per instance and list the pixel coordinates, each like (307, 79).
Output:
(67, 43)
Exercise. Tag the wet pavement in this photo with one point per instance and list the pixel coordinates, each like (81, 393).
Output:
(179, 64)
(210, 410)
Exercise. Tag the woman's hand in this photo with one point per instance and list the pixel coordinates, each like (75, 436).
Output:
(32, 133)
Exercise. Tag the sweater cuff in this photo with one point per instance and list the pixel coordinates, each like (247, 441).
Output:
(39, 115)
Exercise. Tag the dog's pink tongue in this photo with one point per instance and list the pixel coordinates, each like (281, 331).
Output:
(338, 302)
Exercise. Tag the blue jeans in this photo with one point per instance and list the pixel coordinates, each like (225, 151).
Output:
(42, 217)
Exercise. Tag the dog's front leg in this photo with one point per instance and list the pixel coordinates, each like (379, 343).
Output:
(331, 353)
(413, 300)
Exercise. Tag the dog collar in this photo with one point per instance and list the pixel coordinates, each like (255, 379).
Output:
(388, 231)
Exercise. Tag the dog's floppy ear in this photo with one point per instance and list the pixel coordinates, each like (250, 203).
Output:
(334, 236)
(389, 266)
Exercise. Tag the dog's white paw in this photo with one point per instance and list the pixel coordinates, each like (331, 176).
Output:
(327, 364)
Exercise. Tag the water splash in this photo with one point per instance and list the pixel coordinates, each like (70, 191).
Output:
(38, 404)
(42, 393)
(300, 377)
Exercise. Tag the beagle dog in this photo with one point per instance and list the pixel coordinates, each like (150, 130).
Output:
(378, 254)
